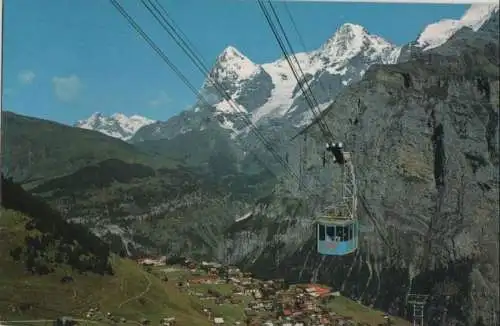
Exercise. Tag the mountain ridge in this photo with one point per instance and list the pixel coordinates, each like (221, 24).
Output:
(268, 91)
(38, 149)
(117, 125)
(437, 33)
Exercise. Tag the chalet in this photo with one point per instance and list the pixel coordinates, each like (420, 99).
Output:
(234, 280)
(188, 263)
(234, 271)
(258, 306)
(246, 282)
(317, 291)
(211, 279)
(150, 261)
(169, 321)
(249, 311)
(235, 300)
(268, 306)
(309, 305)
(64, 321)
(145, 262)
(208, 265)
(208, 312)
(256, 293)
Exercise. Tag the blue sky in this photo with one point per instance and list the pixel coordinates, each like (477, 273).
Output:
(64, 60)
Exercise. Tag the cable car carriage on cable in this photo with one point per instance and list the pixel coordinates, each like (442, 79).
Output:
(338, 228)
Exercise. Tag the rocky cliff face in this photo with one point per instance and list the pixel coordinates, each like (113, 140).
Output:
(424, 134)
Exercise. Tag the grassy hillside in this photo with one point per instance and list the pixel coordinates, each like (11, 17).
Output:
(35, 148)
(210, 150)
(98, 176)
(49, 268)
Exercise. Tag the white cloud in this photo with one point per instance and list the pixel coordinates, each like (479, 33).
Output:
(161, 99)
(68, 88)
(26, 77)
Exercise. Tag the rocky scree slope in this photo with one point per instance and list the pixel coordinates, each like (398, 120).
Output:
(425, 138)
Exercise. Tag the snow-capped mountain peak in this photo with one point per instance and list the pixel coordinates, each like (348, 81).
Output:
(347, 33)
(268, 93)
(231, 72)
(438, 33)
(117, 125)
(477, 15)
(350, 40)
(231, 53)
(232, 64)
(346, 42)
(94, 117)
(270, 89)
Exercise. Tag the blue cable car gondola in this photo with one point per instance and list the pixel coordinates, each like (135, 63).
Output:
(338, 229)
(337, 237)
